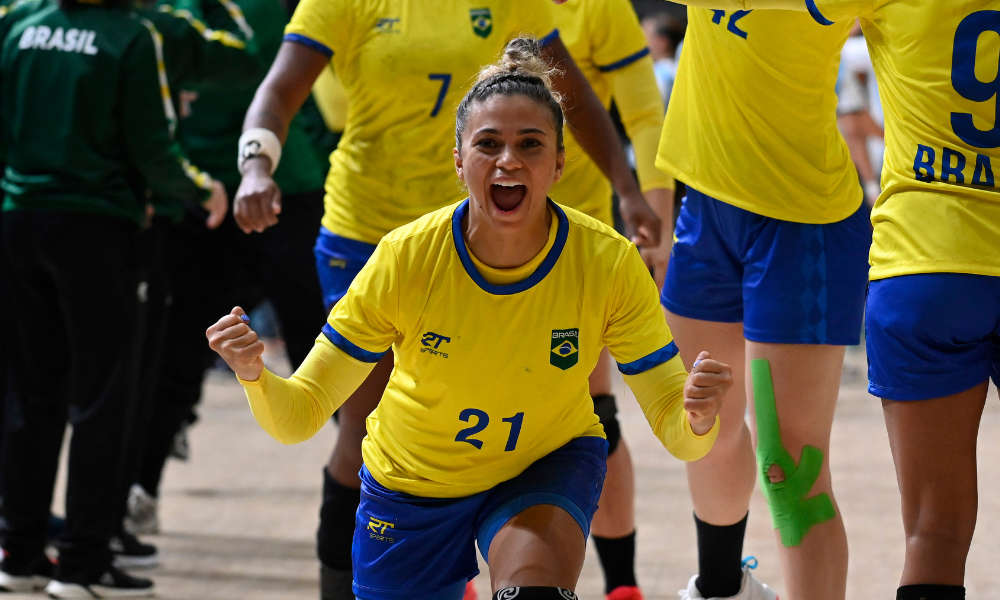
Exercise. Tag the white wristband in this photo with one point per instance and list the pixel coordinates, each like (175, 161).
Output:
(259, 142)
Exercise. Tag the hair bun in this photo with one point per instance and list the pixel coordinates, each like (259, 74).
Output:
(522, 56)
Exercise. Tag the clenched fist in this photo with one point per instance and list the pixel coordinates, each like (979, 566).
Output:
(238, 345)
(704, 390)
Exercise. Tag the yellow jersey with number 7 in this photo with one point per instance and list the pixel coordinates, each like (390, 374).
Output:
(405, 65)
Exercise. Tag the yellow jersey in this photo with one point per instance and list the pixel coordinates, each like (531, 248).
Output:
(490, 377)
(936, 62)
(752, 116)
(405, 64)
(606, 42)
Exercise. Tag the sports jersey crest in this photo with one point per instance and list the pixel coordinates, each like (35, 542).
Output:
(565, 348)
(482, 21)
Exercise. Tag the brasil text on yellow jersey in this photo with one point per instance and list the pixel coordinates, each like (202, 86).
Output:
(937, 67)
(752, 117)
(405, 65)
(489, 378)
(607, 43)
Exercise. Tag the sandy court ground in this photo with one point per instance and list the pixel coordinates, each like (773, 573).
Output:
(239, 519)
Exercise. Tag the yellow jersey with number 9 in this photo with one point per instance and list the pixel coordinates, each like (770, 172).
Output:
(491, 377)
(937, 67)
(405, 64)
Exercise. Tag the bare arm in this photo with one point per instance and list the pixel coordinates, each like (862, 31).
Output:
(279, 97)
(593, 129)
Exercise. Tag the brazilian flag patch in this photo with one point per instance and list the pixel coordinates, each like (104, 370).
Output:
(565, 348)
(482, 21)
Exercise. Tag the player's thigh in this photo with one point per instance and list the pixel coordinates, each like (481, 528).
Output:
(533, 528)
(724, 341)
(806, 383)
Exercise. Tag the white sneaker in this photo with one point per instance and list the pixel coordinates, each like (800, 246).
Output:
(142, 517)
(750, 589)
(22, 584)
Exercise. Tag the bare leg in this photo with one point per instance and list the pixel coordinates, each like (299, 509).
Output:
(541, 546)
(345, 462)
(616, 516)
(720, 483)
(934, 448)
(806, 382)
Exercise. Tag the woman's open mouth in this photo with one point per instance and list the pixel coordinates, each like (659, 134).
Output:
(508, 195)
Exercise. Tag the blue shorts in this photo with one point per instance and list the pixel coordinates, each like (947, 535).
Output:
(411, 547)
(338, 262)
(932, 335)
(788, 283)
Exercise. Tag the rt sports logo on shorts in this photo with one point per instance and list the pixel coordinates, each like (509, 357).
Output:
(565, 344)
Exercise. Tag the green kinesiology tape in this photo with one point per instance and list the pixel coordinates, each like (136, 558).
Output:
(791, 512)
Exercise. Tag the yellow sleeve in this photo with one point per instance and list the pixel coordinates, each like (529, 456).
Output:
(293, 410)
(616, 37)
(323, 25)
(826, 12)
(641, 108)
(660, 392)
(636, 334)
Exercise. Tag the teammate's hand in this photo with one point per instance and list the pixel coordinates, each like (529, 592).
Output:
(237, 344)
(641, 222)
(657, 258)
(706, 386)
(258, 199)
(217, 205)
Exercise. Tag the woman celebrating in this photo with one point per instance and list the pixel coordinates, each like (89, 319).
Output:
(496, 310)
(405, 66)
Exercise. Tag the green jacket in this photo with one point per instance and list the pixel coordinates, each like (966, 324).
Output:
(83, 115)
(211, 134)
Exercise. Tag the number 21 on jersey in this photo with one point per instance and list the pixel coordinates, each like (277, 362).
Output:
(482, 421)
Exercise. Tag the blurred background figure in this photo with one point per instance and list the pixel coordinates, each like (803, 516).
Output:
(859, 112)
(92, 76)
(664, 34)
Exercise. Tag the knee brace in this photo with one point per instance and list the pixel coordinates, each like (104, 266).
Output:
(607, 412)
(336, 524)
(791, 512)
(534, 593)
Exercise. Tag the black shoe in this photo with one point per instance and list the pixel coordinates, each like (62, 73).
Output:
(32, 578)
(112, 584)
(130, 553)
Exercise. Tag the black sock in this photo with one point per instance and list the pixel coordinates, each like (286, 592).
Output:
(336, 523)
(720, 558)
(930, 592)
(617, 557)
(534, 593)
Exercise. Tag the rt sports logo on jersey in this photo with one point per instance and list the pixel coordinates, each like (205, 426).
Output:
(482, 21)
(565, 348)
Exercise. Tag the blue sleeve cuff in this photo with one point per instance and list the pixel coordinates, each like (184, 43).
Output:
(623, 62)
(309, 43)
(348, 347)
(649, 361)
(818, 16)
(551, 37)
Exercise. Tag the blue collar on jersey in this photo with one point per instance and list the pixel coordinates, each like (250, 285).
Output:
(526, 283)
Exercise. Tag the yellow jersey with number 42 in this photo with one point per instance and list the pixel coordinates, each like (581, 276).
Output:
(490, 377)
(405, 64)
(752, 117)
